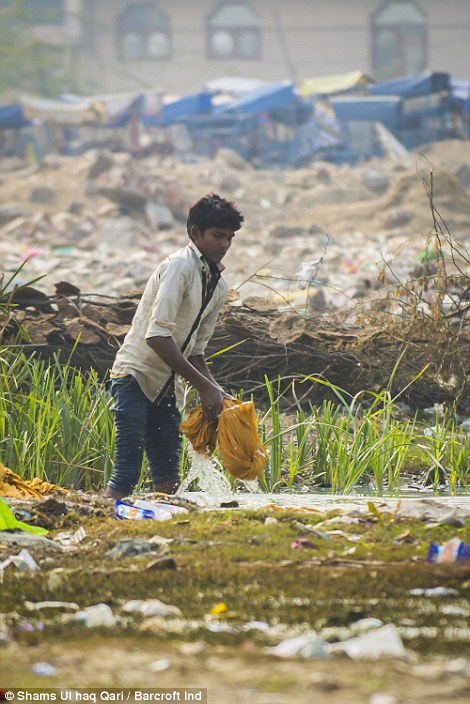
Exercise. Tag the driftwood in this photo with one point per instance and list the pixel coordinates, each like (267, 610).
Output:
(86, 331)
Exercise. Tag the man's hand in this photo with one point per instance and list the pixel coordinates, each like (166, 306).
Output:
(211, 401)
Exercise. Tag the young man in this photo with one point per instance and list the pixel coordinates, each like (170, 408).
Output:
(171, 328)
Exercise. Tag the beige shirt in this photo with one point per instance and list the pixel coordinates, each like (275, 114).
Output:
(168, 308)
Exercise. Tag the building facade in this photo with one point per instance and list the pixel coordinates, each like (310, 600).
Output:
(180, 45)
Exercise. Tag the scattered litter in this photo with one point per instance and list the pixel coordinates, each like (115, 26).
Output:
(9, 522)
(131, 547)
(305, 646)
(301, 543)
(150, 607)
(383, 642)
(192, 648)
(130, 512)
(96, 616)
(14, 486)
(160, 509)
(453, 551)
(434, 591)
(219, 608)
(71, 538)
(43, 669)
(28, 541)
(22, 561)
(270, 521)
(160, 665)
(380, 698)
(147, 510)
(41, 605)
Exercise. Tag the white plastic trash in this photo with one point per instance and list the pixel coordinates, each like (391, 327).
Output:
(381, 642)
(96, 616)
(161, 511)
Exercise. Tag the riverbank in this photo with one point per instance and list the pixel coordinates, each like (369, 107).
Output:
(213, 599)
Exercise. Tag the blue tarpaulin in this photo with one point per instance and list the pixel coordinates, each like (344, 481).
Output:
(12, 117)
(461, 94)
(279, 100)
(384, 109)
(188, 106)
(413, 86)
(262, 100)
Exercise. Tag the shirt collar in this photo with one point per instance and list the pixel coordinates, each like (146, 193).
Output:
(202, 258)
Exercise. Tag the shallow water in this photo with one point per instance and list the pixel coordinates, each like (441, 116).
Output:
(323, 502)
(215, 489)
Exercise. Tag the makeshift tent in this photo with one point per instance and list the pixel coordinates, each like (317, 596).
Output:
(60, 113)
(188, 106)
(358, 117)
(12, 117)
(330, 85)
(386, 109)
(461, 94)
(235, 86)
(266, 100)
(413, 86)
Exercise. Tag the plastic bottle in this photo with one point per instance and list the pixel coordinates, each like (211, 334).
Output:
(161, 510)
(127, 511)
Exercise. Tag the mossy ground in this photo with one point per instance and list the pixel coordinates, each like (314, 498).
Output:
(233, 556)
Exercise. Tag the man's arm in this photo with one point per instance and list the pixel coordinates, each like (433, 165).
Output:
(199, 361)
(209, 391)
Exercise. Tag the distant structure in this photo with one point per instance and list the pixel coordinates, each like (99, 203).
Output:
(179, 45)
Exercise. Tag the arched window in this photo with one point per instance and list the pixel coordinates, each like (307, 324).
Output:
(399, 39)
(233, 31)
(143, 33)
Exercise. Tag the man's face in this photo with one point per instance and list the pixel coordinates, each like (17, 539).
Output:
(213, 243)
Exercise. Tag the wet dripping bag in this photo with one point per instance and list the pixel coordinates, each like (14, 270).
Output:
(241, 450)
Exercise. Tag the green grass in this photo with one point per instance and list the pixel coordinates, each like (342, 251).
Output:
(56, 423)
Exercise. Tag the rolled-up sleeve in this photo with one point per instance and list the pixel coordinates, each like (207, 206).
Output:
(172, 281)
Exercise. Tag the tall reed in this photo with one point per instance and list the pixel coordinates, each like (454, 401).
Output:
(56, 424)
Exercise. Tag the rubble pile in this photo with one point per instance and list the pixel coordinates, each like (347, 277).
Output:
(103, 221)
(320, 246)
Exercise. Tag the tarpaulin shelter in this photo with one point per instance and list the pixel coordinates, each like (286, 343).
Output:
(332, 85)
(426, 106)
(413, 86)
(277, 99)
(386, 109)
(358, 117)
(60, 113)
(266, 113)
(236, 86)
(460, 94)
(12, 117)
(172, 112)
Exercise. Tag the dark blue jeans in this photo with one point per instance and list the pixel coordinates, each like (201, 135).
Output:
(143, 425)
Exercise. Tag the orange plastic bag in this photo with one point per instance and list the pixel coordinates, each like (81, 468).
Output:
(241, 450)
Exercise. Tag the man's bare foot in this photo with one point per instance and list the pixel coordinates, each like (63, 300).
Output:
(111, 493)
(170, 487)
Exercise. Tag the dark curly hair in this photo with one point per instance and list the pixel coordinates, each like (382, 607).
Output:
(213, 211)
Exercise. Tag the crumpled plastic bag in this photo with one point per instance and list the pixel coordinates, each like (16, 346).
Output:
(13, 486)
(241, 450)
(8, 521)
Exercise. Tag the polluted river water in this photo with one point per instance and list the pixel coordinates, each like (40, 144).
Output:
(215, 489)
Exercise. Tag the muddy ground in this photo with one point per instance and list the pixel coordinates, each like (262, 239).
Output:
(240, 582)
